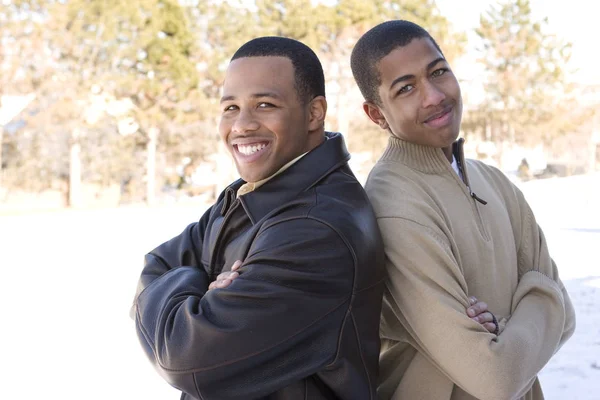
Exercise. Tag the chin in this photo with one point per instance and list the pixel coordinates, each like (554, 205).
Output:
(453, 135)
(254, 176)
(245, 175)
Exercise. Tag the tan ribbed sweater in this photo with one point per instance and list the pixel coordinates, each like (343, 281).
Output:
(442, 246)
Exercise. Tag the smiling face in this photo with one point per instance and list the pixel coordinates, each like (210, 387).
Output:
(420, 97)
(263, 122)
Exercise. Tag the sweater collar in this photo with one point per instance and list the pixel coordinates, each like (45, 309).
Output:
(429, 160)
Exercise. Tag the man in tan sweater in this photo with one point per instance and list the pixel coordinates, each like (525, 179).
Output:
(452, 229)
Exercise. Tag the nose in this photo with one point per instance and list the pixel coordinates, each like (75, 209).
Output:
(244, 122)
(432, 95)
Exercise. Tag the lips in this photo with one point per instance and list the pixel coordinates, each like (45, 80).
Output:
(440, 119)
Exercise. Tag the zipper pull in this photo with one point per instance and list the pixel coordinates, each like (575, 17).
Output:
(473, 195)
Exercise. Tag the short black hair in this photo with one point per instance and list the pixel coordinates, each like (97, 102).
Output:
(308, 71)
(374, 45)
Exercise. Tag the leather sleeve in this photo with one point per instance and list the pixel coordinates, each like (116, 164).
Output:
(277, 323)
(183, 250)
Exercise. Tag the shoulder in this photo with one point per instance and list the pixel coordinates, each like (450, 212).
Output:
(335, 207)
(487, 170)
(398, 191)
(333, 217)
(345, 208)
(391, 177)
(496, 179)
(339, 199)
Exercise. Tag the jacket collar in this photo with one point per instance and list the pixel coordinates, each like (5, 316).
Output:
(429, 160)
(300, 177)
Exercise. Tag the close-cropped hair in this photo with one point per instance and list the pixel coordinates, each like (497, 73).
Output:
(374, 45)
(308, 71)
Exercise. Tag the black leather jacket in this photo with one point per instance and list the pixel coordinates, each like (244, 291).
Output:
(302, 319)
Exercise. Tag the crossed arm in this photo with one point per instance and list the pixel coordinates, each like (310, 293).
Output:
(221, 343)
(542, 317)
(477, 311)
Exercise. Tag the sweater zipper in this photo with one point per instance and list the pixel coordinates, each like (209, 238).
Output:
(475, 199)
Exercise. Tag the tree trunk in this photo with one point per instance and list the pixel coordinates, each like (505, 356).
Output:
(151, 166)
(75, 170)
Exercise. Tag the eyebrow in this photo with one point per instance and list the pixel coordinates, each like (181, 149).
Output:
(271, 95)
(410, 76)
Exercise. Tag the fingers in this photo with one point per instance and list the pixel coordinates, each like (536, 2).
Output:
(490, 327)
(476, 309)
(221, 283)
(236, 265)
(227, 275)
(224, 279)
(483, 318)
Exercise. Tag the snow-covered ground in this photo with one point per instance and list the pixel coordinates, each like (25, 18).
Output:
(68, 278)
(568, 209)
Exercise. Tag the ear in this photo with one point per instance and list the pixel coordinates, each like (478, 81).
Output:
(375, 114)
(317, 109)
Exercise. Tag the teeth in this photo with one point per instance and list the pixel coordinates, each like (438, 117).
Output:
(248, 150)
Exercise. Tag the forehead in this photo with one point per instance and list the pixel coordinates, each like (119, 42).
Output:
(251, 74)
(411, 59)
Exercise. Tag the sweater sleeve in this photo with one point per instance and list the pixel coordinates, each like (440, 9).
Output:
(428, 295)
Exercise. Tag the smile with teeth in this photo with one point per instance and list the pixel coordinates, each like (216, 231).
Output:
(251, 148)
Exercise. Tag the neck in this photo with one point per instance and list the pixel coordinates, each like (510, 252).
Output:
(448, 153)
(317, 137)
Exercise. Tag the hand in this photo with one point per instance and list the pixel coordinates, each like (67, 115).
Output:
(225, 278)
(478, 312)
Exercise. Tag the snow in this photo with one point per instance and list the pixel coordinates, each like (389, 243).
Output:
(68, 279)
(568, 209)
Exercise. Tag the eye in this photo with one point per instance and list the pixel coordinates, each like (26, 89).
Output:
(439, 72)
(230, 108)
(264, 104)
(405, 89)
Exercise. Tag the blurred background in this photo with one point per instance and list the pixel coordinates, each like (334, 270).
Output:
(109, 146)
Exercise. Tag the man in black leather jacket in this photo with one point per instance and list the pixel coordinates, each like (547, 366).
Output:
(300, 318)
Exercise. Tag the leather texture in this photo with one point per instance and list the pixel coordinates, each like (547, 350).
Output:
(302, 319)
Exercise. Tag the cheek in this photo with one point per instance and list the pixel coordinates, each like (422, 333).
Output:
(280, 127)
(405, 117)
(224, 128)
(402, 113)
(453, 88)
